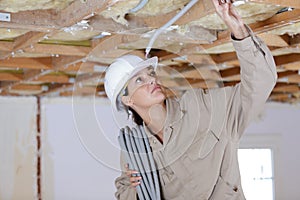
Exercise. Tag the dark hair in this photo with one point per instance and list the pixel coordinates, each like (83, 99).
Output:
(130, 112)
(136, 117)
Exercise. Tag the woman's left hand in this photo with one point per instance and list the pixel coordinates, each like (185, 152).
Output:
(232, 19)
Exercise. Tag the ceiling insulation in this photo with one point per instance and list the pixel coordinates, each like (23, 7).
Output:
(38, 57)
(16, 6)
(250, 12)
(291, 29)
(152, 8)
(74, 34)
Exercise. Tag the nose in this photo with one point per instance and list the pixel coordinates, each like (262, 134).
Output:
(152, 80)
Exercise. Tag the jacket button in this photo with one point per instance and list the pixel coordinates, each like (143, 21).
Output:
(235, 189)
(154, 141)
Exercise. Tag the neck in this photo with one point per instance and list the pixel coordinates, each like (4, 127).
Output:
(155, 117)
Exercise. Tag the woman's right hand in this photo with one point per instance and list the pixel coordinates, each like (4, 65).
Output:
(134, 176)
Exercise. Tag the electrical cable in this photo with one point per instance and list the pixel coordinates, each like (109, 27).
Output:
(169, 23)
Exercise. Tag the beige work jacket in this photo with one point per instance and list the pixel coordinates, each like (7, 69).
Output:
(198, 159)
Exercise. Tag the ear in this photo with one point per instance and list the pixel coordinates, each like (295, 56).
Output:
(127, 101)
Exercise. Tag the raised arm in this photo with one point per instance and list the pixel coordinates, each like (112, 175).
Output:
(258, 72)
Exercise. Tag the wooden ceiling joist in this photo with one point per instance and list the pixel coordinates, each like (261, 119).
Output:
(6, 46)
(53, 49)
(6, 76)
(28, 63)
(287, 59)
(277, 21)
(287, 3)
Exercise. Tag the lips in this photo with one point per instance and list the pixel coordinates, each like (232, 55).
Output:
(156, 87)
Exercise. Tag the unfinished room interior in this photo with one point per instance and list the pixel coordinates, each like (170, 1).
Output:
(59, 131)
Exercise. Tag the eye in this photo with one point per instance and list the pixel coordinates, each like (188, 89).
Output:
(152, 73)
(138, 80)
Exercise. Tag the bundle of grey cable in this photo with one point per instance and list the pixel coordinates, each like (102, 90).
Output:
(138, 154)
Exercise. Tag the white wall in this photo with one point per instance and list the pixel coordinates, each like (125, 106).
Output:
(279, 127)
(18, 148)
(80, 149)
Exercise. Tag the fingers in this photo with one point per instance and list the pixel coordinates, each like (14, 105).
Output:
(135, 181)
(134, 177)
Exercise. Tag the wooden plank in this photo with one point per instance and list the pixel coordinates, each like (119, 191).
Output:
(292, 66)
(277, 21)
(230, 72)
(286, 59)
(6, 76)
(53, 78)
(24, 87)
(6, 46)
(28, 63)
(280, 97)
(294, 78)
(286, 88)
(286, 74)
(34, 20)
(65, 50)
(295, 39)
(284, 3)
(224, 57)
(28, 39)
(108, 48)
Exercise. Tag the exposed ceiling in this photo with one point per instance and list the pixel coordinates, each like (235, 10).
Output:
(62, 47)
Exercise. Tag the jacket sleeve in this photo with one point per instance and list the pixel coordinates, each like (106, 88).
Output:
(258, 78)
(122, 183)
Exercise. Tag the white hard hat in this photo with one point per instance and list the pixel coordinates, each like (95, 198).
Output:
(121, 70)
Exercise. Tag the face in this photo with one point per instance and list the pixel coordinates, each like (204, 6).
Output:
(144, 90)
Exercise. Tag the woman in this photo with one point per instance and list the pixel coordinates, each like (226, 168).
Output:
(194, 139)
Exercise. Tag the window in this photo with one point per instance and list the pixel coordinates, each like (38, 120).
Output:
(256, 166)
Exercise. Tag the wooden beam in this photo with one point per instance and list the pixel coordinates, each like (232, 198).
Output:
(286, 59)
(230, 72)
(277, 21)
(28, 39)
(286, 74)
(295, 39)
(286, 3)
(287, 88)
(54, 49)
(28, 75)
(28, 63)
(108, 48)
(24, 87)
(34, 20)
(6, 46)
(6, 76)
(294, 78)
(292, 66)
(224, 57)
(49, 78)
(280, 97)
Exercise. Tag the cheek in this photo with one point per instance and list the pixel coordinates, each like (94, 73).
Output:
(144, 98)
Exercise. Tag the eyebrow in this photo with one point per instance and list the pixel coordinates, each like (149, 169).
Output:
(150, 68)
